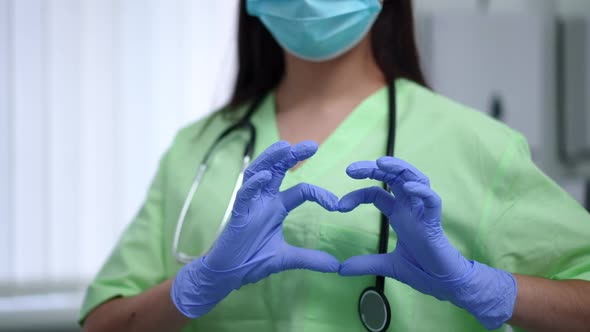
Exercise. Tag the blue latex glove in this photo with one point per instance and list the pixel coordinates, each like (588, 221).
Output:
(252, 245)
(423, 258)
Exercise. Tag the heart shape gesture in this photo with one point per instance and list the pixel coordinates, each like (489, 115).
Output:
(252, 246)
(424, 258)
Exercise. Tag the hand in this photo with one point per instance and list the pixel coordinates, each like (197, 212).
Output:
(424, 258)
(252, 246)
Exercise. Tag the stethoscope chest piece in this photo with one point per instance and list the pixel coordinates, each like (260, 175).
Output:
(374, 310)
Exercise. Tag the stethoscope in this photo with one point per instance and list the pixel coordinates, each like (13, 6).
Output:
(373, 306)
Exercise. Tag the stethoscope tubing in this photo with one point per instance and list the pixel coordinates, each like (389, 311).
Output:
(244, 122)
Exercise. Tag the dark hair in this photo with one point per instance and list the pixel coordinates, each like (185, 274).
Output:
(262, 65)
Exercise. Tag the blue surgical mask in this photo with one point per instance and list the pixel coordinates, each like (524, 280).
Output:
(316, 30)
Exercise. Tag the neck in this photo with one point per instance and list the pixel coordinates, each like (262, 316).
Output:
(354, 75)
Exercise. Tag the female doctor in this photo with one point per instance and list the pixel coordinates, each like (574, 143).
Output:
(515, 248)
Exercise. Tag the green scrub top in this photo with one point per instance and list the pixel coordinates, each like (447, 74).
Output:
(498, 209)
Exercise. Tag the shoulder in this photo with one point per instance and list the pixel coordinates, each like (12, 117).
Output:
(199, 128)
(471, 132)
(206, 129)
(191, 142)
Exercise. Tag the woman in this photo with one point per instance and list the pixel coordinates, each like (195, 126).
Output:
(328, 82)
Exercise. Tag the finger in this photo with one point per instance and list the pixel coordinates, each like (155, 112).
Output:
(248, 191)
(314, 260)
(378, 265)
(431, 200)
(369, 170)
(403, 169)
(383, 200)
(267, 159)
(303, 192)
(298, 153)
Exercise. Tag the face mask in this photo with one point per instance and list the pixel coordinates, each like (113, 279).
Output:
(316, 30)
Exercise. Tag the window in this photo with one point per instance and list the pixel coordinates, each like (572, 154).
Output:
(91, 94)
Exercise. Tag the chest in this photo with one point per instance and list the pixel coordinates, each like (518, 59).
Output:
(342, 235)
(310, 225)
(312, 123)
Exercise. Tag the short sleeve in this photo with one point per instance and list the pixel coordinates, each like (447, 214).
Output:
(534, 227)
(136, 263)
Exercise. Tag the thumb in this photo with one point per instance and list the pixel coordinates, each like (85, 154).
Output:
(378, 265)
(308, 259)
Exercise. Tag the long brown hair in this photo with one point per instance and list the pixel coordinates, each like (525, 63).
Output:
(262, 65)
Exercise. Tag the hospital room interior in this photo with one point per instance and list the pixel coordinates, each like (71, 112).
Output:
(92, 93)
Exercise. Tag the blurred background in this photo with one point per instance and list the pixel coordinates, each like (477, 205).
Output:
(92, 92)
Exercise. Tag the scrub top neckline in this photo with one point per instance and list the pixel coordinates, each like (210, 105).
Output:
(368, 115)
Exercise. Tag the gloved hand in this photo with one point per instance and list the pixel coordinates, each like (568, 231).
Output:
(423, 258)
(252, 245)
